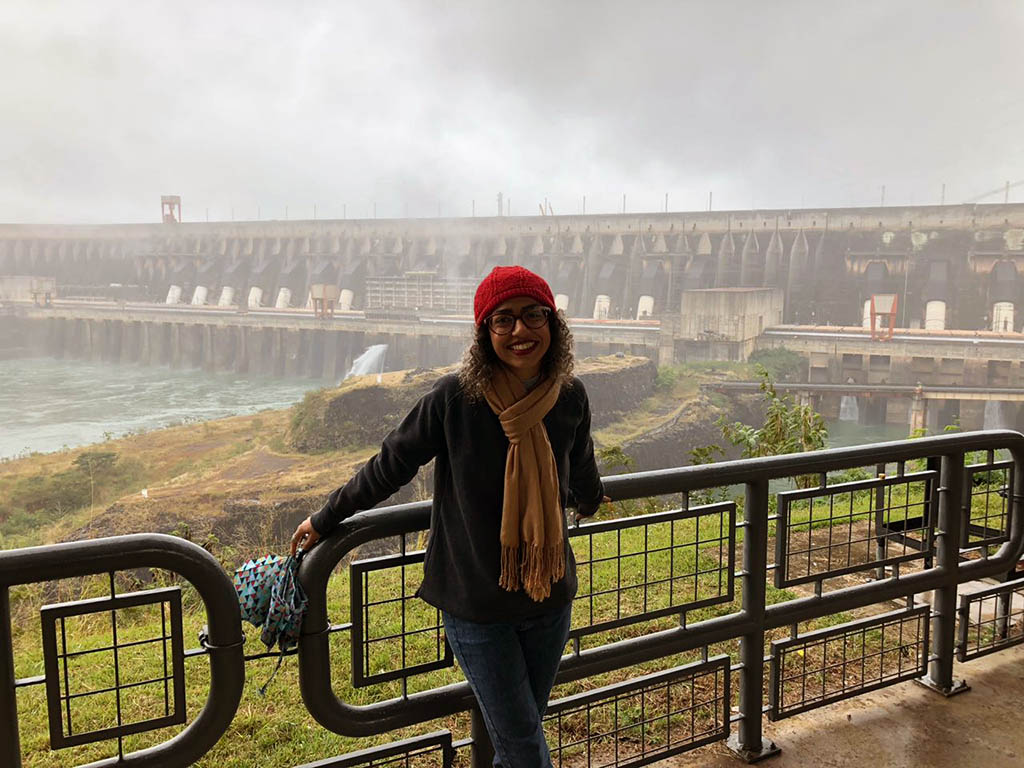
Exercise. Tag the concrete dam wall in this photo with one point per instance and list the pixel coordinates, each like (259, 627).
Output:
(950, 266)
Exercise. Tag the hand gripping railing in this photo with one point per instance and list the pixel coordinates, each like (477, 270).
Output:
(105, 556)
(749, 625)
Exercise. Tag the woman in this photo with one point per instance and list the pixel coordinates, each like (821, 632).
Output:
(510, 435)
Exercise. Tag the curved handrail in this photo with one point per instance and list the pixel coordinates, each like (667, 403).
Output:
(201, 569)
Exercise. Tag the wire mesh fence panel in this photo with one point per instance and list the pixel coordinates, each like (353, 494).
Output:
(986, 491)
(863, 525)
(640, 568)
(990, 620)
(820, 667)
(394, 633)
(107, 690)
(642, 720)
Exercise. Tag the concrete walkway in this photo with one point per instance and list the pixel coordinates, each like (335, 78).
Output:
(904, 726)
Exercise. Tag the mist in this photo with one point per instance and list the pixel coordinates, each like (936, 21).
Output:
(261, 110)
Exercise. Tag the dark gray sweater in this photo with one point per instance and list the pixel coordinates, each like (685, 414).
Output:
(469, 447)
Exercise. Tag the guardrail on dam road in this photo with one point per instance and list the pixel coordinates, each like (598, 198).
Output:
(687, 578)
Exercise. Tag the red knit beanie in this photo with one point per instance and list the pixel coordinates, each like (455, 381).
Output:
(507, 283)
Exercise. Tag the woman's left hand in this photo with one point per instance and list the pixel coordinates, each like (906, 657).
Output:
(305, 536)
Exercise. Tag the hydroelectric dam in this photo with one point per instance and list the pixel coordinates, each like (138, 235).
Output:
(671, 286)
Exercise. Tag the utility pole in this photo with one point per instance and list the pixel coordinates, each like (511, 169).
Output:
(883, 196)
(623, 202)
(710, 193)
(942, 200)
(666, 202)
(1006, 194)
(584, 205)
(473, 209)
(286, 213)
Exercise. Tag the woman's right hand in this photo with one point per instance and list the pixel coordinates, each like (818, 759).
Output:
(305, 536)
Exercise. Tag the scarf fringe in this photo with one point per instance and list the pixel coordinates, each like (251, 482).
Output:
(532, 569)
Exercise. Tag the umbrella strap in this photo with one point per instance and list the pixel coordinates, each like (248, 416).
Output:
(263, 688)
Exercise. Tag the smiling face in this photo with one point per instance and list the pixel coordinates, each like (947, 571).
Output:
(523, 349)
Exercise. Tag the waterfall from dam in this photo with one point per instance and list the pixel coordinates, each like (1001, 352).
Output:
(371, 361)
(995, 415)
(849, 410)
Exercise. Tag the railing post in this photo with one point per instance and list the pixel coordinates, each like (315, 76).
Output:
(748, 742)
(947, 557)
(482, 751)
(10, 748)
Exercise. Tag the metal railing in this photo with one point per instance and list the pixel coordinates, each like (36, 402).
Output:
(654, 584)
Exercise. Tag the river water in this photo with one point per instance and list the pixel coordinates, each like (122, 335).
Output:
(46, 404)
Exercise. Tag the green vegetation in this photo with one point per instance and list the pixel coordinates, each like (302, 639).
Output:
(783, 365)
(788, 427)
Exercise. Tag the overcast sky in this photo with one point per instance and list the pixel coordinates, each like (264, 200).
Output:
(255, 106)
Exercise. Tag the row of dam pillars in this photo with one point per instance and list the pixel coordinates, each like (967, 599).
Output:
(263, 351)
(312, 353)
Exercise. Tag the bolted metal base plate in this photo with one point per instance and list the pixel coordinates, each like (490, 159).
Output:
(768, 749)
(959, 686)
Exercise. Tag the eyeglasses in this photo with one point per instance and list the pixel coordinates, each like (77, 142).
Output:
(503, 323)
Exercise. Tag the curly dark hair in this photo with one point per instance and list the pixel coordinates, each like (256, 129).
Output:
(480, 359)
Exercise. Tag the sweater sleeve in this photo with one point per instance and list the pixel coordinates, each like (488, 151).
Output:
(584, 479)
(413, 443)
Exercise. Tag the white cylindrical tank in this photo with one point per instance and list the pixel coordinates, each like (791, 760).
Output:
(866, 318)
(602, 304)
(199, 295)
(284, 298)
(174, 294)
(1002, 316)
(255, 297)
(935, 315)
(562, 302)
(644, 307)
(227, 296)
(345, 300)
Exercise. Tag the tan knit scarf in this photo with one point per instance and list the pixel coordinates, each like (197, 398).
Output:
(532, 549)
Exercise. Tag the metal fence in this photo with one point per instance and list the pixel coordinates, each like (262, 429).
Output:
(657, 582)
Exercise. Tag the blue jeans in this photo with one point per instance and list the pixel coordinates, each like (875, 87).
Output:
(511, 669)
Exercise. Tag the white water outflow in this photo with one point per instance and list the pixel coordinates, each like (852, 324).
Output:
(935, 315)
(174, 294)
(1002, 316)
(199, 295)
(345, 300)
(227, 296)
(849, 409)
(371, 361)
(602, 305)
(284, 298)
(644, 307)
(255, 297)
(996, 416)
(562, 301)
(866, 318)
